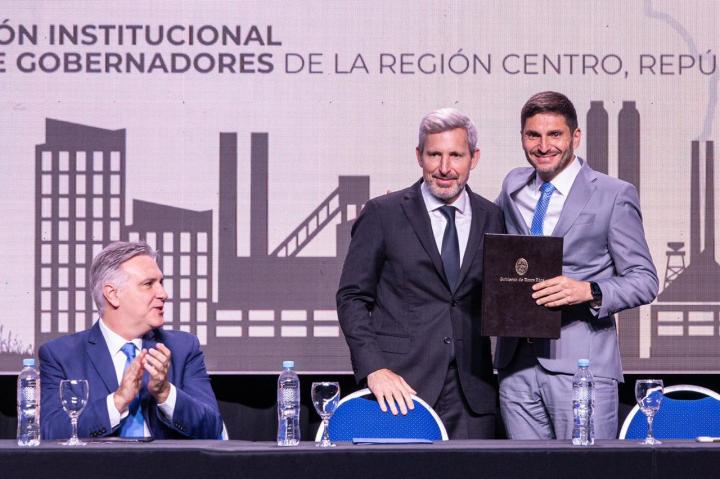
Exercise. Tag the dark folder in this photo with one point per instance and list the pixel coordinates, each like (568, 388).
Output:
(512, 264)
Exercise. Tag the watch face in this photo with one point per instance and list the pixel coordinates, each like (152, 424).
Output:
(595, 291)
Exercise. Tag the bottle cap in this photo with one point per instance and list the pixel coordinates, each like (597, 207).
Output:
(28, 362)
(583, 363)
(288, 364)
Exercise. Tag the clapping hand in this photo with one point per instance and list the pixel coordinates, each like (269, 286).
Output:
(130, 383)
(157, 363)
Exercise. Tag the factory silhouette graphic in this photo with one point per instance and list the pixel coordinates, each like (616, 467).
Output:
(276, 304)
(272, 305)
(685, 318)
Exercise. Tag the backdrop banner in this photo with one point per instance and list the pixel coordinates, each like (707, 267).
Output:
(241, 140)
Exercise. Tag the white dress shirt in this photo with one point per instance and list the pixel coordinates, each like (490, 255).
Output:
(527, 197)
(115, 342)
(463, 218)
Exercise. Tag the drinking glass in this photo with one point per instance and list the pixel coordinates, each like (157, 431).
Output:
(325, 398)
(649, 395)
(74, 395)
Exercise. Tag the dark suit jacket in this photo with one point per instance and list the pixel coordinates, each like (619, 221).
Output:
(395, 306)
(85, 355)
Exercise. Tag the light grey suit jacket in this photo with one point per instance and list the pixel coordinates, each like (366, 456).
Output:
(603, 241)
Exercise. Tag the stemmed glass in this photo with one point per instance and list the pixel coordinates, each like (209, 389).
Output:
(649, 395)
(74, 395)
(325, 398)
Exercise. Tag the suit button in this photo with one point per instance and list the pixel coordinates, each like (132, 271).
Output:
(453, 303)
(447, 340)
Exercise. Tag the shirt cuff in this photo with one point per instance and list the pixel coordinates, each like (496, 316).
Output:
(168, 407)
(113, 413)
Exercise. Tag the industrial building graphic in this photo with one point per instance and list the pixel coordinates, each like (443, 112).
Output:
(79, 208)
(689, 304)
(276, 304)
(685, 319)
(271, 306)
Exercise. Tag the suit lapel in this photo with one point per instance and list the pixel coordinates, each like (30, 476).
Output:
(514, 185)
(580, 193)
(99, 356)
(416, 213)
(150, 339)
(477, 228)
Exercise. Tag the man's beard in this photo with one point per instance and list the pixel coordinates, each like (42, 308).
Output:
(444, 194)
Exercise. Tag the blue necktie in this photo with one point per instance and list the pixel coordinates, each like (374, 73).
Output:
(450, 252)
(546, 191)
(133, 424)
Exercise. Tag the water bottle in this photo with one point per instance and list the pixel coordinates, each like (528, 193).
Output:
(288, 404)
(28, 405)
(583, 404)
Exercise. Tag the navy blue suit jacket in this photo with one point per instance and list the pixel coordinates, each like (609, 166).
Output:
(85, 355)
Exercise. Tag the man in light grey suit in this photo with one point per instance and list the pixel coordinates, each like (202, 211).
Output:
(606, 268)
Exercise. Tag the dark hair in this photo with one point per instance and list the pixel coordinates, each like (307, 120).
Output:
(549, 102)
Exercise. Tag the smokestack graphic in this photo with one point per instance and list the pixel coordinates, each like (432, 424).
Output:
(695, 201)
(629, 144)
(597, 137)
(629, 170)
(698, 282)
(228, 198)
(708, 249)
(259, 194)
(709, 200)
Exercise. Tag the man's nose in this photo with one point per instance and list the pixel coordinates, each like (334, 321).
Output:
(543, 144)
(161, 292)
(444, 164)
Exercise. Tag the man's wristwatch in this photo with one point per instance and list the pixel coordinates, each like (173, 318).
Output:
(596, 295)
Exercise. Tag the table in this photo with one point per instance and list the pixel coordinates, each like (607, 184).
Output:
(444, 460)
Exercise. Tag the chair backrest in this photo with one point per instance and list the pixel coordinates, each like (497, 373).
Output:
(359, 415)
(678, 418)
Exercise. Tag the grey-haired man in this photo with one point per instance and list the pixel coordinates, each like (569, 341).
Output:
(409, 295)
(144, 381)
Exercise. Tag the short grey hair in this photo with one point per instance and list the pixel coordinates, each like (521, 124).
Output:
(106, 266)
(446, 119)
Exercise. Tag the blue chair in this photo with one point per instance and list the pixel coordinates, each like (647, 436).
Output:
(678, 418)
(358, 416)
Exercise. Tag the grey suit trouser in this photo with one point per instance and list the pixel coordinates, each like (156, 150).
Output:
(537, 404)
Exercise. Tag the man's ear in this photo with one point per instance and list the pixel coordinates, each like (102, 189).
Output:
(475, 158)
(576, 136)
(110, 291)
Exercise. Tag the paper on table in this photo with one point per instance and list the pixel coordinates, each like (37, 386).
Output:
(707, 439)
(390, 440)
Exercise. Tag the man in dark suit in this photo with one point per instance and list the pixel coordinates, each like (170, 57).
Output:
(143, 381)
(409, 296)
(606, 268)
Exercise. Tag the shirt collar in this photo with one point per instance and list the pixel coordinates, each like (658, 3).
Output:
(114, 341)
(564, 180)
(432, 203)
